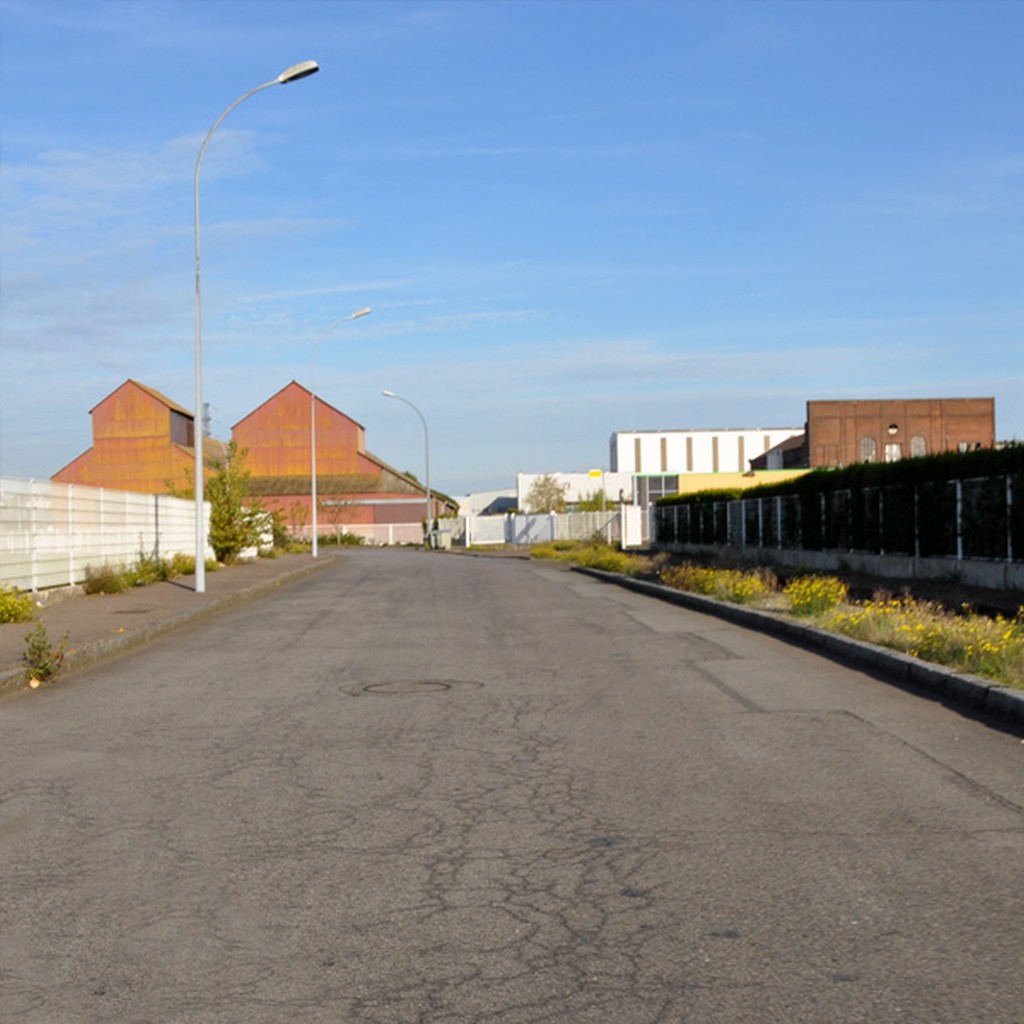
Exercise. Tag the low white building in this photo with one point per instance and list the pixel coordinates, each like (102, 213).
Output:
(676, 452)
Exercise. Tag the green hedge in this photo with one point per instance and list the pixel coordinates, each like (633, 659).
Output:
(907, 507)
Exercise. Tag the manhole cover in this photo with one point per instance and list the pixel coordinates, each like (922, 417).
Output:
(413, 686)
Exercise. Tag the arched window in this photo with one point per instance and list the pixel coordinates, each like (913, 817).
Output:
(918, 446)
(868, 449)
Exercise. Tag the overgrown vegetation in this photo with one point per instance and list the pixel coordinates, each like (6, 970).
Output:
(992, 647)
(723, 584)
(987, 646)
(594, 554)
(107, 579)
(15, 605)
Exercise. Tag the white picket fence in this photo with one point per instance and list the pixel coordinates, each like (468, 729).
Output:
(50, 532)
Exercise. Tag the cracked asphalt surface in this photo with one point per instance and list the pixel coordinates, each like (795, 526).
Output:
(427, 788)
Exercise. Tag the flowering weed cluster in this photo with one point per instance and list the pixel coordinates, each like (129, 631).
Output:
(814, 595)
(984, 646)
(965, 641)
(16, 606)
(725, 584)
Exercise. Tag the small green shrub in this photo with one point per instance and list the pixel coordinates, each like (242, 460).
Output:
(42, 661)
(181, 565)
(814, 595)
(148, 569)
(104, 580)
(16, 606)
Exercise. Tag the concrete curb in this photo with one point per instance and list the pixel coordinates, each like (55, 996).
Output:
(95, 651)
(965, 691)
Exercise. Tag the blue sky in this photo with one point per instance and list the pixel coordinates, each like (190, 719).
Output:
(569, 218)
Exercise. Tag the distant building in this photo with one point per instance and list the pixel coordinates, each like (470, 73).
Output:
(353, 487)
(487, 503)
(681, 461)
(841, 433)
(142, 441)
(693, 451)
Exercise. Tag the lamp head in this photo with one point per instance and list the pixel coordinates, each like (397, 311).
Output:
(361, 312)
(297, 71)
(389, 394)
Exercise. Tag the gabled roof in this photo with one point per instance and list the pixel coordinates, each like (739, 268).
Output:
(152, 392)
(305, 390)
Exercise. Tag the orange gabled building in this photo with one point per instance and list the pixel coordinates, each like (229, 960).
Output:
(142, 441)
(353, 486)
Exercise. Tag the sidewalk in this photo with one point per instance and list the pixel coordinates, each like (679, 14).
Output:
(101, 625)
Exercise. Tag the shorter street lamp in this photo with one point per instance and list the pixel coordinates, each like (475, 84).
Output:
(312, 407)
(426, 448)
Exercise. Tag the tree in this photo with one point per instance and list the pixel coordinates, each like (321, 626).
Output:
(236, 520)
(546, 494)
(594, 502)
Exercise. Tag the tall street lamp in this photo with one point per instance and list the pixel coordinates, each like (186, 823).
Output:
(292, 74)
(426, 447)
(312, 407)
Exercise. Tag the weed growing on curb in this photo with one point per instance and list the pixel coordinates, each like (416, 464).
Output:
(42, 661)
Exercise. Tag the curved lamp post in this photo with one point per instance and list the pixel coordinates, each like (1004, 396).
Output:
(312, 407)
(292, 74)
(426, 447)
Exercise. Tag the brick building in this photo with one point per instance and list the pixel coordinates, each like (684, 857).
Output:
(841, 433)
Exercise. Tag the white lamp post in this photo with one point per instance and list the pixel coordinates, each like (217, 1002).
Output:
(312, 407)
(292, 74)
(426, 447)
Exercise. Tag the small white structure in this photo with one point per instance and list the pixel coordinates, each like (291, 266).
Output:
(483, 503)
(693, 451)
(617, 487)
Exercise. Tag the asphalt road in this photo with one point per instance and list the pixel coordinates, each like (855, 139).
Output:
(427, 788)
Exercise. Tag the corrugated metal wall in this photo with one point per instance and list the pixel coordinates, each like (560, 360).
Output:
(50, 532)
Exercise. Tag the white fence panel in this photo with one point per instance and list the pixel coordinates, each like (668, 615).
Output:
(381, 534)
(484, 530)
(50, 532)
(526, 529)
(517, 529)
